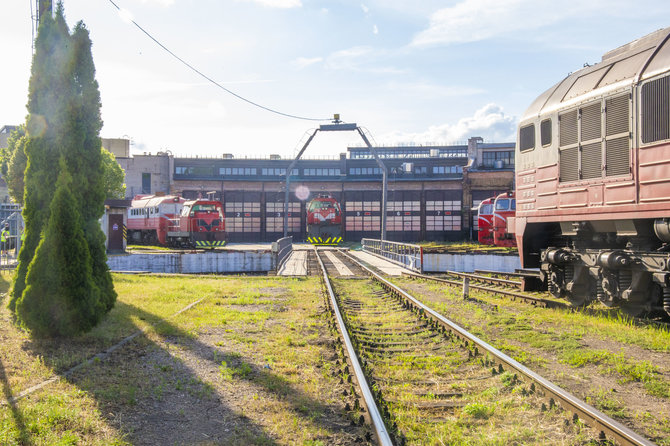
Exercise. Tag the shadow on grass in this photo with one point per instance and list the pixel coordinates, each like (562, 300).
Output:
(153, 397)
(24, 437)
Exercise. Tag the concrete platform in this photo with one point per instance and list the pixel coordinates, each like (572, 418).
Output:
(386, 267)
(295, 265)
(341, 268)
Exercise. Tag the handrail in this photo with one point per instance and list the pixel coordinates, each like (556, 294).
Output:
(406, 255)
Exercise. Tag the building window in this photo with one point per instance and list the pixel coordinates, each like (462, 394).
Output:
(146, 183)
(421, 170)
(489, 159)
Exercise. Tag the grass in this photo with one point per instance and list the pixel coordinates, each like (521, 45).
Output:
(465, 246)
(492, 409)
(537, 337)
(252, 355)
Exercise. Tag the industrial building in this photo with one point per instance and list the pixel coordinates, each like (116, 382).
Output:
(431, 189)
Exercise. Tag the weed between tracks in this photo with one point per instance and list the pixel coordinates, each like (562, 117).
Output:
(438, 394)
(251, 364)
(620, 368)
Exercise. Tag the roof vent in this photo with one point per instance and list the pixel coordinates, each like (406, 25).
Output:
(274, 156)
(227, 156)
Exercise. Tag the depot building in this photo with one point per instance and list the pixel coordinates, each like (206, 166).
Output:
(431, 189)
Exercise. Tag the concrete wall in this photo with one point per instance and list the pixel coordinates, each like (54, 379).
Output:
(119, 147)
(157, 166)
(467, 263)
(197, 263)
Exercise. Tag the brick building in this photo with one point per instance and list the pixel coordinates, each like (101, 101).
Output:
(431, 189)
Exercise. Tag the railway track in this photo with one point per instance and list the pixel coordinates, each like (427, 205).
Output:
(494, 285)
(416, 369)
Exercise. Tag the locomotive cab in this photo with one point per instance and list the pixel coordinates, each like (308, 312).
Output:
(485, 222)
(503, 209)
(324, 219)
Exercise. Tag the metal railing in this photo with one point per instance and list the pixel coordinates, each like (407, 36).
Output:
(281, 249)
(404, 254)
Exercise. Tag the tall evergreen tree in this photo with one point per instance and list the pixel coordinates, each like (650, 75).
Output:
(61, 298)
(63, 285)
(47, 112)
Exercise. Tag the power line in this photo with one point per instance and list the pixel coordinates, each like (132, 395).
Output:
(209, 79)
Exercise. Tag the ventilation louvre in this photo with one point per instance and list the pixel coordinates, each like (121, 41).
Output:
(617, 152)
(592, 156)
(617, 115)
(656, 110)
(568, 128)
(569, 167)
(591, 122)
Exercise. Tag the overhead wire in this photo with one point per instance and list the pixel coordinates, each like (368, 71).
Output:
(209, 79)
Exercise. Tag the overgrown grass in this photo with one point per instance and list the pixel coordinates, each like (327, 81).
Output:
(253, 347)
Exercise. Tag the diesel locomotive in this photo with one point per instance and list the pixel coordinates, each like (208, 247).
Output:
(593, 180)
(171, 220)
(324, 219)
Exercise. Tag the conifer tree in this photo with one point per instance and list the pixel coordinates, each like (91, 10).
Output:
(63, 285)
(61, 298)
(17, 164)
(47, 111)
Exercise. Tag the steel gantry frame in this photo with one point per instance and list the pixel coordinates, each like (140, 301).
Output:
(338, 126)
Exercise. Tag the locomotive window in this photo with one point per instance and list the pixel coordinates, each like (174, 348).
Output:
(486, 209)
(527, 137)
(514, 204)
(502, 205)
(545, 132)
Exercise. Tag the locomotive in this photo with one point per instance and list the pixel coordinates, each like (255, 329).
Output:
(593, 180)
(485, 222)
(171, 220)
(324, 220)
(504, 208)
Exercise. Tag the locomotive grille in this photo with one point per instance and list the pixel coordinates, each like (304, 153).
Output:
(568, 128)
(617, 115)
(569, 167)
(617, 152)
(656, 110)
(545, 132)
(592, 160)
(591, 125)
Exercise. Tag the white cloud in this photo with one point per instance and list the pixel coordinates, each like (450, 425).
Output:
(282, 4)
(375, 30)
(489, 122)
(365, 8)
(475, 20)
(302, 62)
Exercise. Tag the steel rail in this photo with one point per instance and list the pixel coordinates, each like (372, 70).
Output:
(587, 413)
(492, 280)
(547, 303)
(375, 416)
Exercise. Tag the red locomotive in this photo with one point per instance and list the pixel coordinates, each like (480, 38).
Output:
(170, 220)
(485, 222)
(324, 220)
(504, 207)
(593, 181)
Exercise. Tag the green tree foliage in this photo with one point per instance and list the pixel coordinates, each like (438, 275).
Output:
(61, 298)
(17, 164)
(112, 176)
(64, 152)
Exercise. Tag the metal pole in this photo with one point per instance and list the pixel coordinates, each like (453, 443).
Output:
(288, 177)
(384, 170)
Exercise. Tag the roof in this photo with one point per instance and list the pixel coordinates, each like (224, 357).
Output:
(619, 68)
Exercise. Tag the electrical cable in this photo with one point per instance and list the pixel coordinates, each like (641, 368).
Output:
(191, 67)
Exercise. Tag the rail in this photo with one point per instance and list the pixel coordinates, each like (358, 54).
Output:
(373, 411)
(588, 414)
(404, 254)
(281, 249)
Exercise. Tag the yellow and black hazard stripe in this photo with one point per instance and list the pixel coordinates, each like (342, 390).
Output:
(209, 244)
(330, 241)
(125, 231)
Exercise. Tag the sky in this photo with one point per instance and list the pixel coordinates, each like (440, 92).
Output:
(408, 71)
